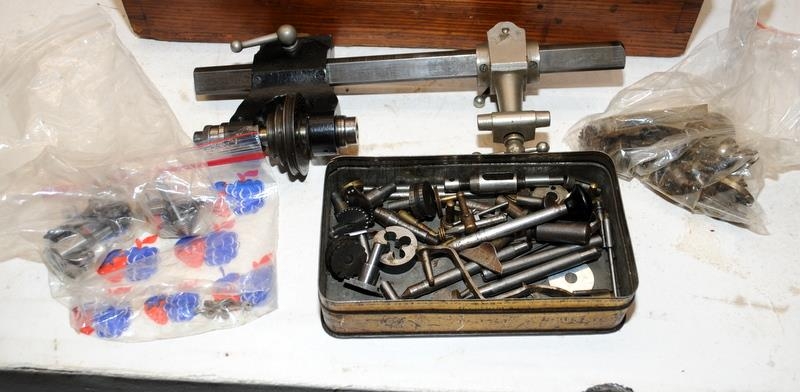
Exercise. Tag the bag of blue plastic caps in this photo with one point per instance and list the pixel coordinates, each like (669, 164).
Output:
(145, 236)
(216, 271)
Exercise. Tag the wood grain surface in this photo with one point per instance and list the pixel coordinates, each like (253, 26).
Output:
(647, 28)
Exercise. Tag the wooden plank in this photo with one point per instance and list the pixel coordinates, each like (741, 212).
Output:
(647, 28)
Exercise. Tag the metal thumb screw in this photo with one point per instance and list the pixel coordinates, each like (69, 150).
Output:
(286, 34)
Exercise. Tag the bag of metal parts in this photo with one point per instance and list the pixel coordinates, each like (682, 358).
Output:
(707, 132)
(144, 235)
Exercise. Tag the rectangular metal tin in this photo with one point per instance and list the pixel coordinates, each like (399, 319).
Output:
(347, 313)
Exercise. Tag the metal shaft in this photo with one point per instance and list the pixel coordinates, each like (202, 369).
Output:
(481, 224)
(540, 257)
(516, 249)
(234, 81)
(388, 291)
(389, 218)
(536, 273)
(453, 275)
(411, 220)
(525, 222)
(608, 244)
(369, 273)
(499, 206)
(507, 182)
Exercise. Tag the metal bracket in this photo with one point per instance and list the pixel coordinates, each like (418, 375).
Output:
(511, 64)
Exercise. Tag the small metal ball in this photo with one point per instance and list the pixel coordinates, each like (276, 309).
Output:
(287, 35)
(542, 147)
(479, 101)
(236, 46)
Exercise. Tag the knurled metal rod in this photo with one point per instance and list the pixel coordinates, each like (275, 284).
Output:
(234, 81)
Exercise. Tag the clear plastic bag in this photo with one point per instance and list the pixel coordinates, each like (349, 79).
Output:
(706, 133)
(149, 286)
(145, 235)
(73, 104)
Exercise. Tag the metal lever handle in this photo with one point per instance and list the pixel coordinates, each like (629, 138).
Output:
(286, 34)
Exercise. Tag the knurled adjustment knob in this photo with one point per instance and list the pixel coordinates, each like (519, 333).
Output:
(423, 200)
(345, 257)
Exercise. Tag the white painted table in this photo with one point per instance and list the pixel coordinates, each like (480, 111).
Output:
(718, 307)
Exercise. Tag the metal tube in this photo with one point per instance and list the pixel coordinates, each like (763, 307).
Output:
(564, 232)
(513, 120)
(536, 273)
(493, 183)
(234, 81)
(540, 257)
